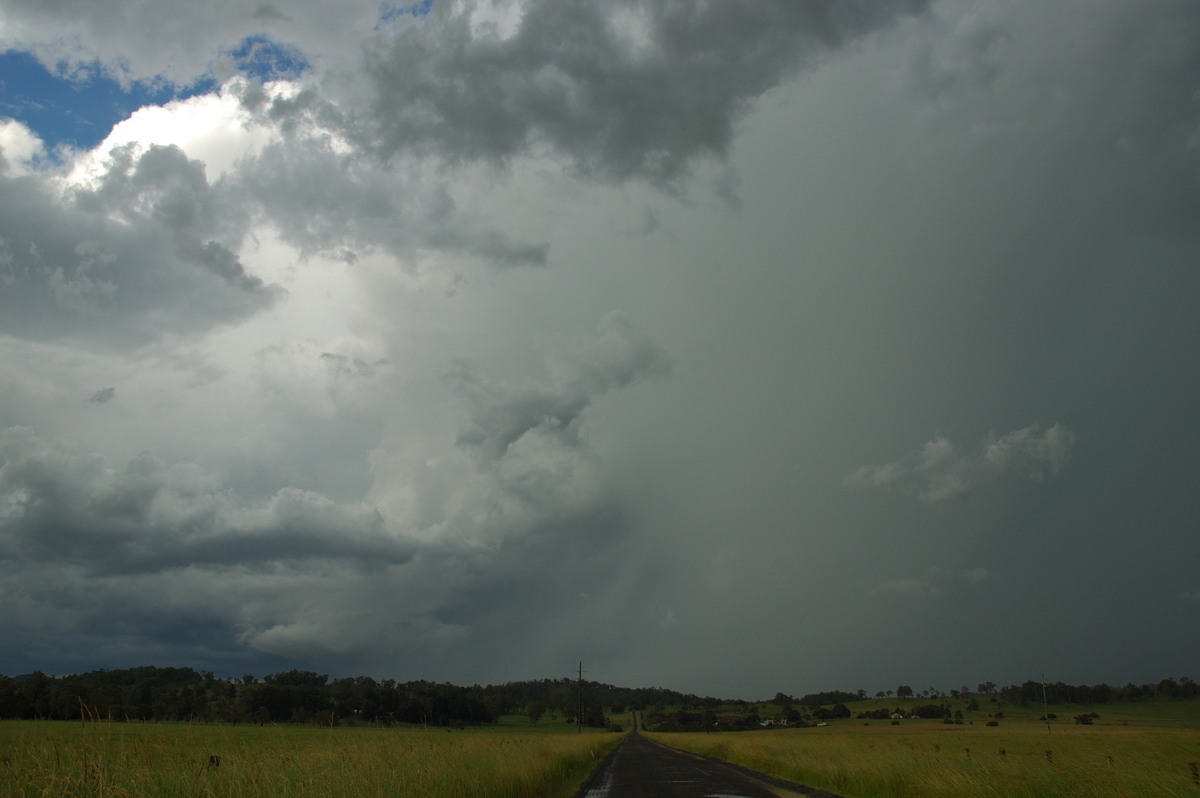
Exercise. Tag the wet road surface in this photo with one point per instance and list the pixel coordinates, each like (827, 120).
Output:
(639, 768)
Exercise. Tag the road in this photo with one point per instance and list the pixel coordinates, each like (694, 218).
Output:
(639, 768)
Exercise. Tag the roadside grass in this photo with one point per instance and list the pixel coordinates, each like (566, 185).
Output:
(1133, 749)
(124, 760)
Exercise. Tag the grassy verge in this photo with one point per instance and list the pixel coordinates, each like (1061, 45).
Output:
(124, 760)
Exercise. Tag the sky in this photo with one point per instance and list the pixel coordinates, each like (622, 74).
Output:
(729, 347)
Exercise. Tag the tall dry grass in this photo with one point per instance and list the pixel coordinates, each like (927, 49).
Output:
(928, 759)
(122, 760)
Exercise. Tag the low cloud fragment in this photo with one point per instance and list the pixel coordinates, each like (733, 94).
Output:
(500, 413)
(939, 471)
(103, 395)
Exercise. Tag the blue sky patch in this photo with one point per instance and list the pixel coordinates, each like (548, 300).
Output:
(390, 12)
(81, 111)
(259, 57)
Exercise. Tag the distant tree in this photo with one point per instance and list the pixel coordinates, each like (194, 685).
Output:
(904, 691)
(931, 711)
(1168, 688)
(593, 716)
(535, 710)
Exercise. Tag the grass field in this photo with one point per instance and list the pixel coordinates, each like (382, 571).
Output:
(103, 760)
(1132, 749)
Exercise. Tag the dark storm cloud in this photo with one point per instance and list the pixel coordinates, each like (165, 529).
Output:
(145, 250)
(293, 575)
(501, 414)
(622, 90)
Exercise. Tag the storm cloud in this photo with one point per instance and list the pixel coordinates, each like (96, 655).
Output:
(470, 340)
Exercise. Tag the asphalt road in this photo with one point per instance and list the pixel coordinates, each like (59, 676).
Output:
(639, 768)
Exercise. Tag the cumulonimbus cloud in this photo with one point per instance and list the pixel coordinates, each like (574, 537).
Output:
(939, 471)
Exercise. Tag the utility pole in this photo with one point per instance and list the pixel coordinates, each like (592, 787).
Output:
(1045, 706)
(579, 709)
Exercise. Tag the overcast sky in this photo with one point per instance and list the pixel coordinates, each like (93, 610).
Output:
(732, 347)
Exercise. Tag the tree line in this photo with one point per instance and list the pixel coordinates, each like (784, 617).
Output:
(182, 694)
(152, 693)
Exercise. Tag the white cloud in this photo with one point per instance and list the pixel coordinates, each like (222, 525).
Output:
(20, 148)
(214, 129)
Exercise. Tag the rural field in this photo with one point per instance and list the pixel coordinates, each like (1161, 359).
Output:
(115, 760)
(1147, 749)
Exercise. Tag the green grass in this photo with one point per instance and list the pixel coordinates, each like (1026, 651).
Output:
(1133, 749)
(131, 759)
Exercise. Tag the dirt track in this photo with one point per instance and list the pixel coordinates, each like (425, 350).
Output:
(639, 768)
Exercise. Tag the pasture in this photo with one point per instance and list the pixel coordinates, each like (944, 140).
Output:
(123, 760)
(1131, 749)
